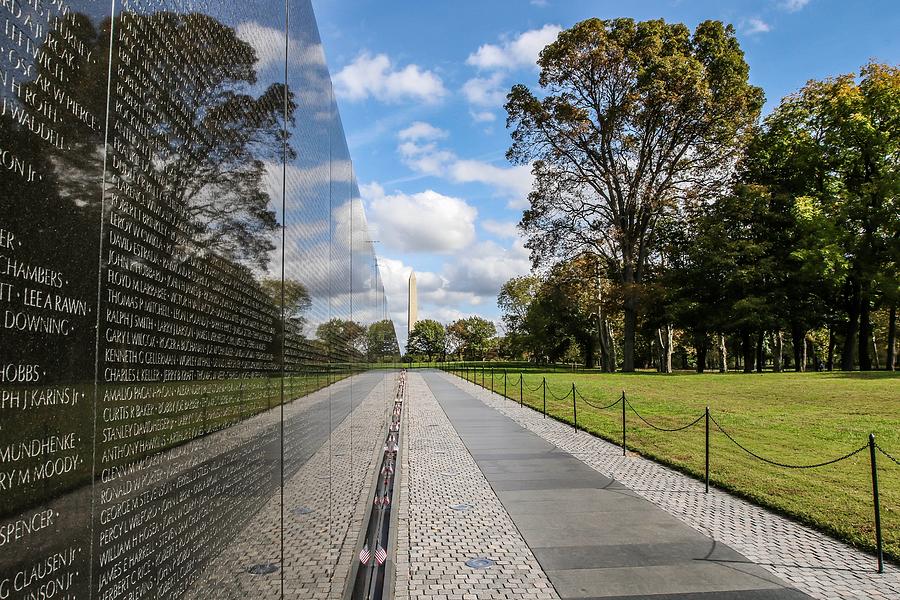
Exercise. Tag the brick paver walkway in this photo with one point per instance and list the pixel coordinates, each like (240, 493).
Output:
(812, 562)
(434, 541)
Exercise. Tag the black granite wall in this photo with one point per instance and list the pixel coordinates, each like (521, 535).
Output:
(184, 262)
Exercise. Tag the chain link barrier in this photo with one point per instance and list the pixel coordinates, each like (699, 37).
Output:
(569, 393)
(719, 427)
(641, 417)
(592, 405)
(786, 465)
(885, 452)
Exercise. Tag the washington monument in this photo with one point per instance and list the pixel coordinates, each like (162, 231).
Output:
(413, 314)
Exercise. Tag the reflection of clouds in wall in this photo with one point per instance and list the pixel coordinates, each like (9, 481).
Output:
(269, 44)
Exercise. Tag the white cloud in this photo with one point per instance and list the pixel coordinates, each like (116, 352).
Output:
(420, 130)
(793, 5)
(428, 159)
(754, 26)
(485, 91)
(377, 77)
(521, 51)
(515, 182)
(487, 266)
(502, 229)
(422, 222)
(483, 116)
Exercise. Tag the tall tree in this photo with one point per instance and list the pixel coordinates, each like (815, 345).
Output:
(513, 300)
(471, 336)
(631, 119)
(838, 144)
(427, 338)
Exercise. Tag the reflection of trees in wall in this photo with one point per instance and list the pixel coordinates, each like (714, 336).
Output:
(343, 340)
(209, 139)
(204, 143)
(382, 342)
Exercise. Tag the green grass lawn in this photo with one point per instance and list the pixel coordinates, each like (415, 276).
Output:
(795, 418)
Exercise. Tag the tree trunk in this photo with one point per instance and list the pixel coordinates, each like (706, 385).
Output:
(701, 345)
(760, 351)
(657, 344)
(748, 350)
(609, 343)
(831, 343)
(865, 333)
(723, 354)
(589, 355)
(848, 352)
(891, 340)
(778, 352)
(875, 353)
(629, 333)
(798, 341)
(664, 340)
(815, 353)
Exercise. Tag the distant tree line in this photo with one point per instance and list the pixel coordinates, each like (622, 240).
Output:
(472, 338)
(671, 227)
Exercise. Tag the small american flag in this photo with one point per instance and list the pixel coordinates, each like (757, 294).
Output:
(380, 555)
(364, 556)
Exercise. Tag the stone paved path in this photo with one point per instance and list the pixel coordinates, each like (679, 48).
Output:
(594, 537)
(812, 562)
(434, 541)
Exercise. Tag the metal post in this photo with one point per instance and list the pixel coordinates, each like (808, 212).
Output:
(492, 380)
(623, 423)
(482, 375)
(707, 449)
(504, 383)
(878, 541)
(521, 385)
(574, 407)
(545, 397)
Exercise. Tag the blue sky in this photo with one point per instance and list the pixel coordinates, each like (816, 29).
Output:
(420, 86)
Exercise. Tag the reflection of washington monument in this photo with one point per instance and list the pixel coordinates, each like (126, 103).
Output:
(413, 314)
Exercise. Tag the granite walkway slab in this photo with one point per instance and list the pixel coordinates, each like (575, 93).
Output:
(593, 536)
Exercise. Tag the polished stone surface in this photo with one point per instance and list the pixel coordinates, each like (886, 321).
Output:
(184, 261)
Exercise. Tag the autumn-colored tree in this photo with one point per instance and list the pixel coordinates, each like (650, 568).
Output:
(470, 337)
(428, 338)
(631, 119)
